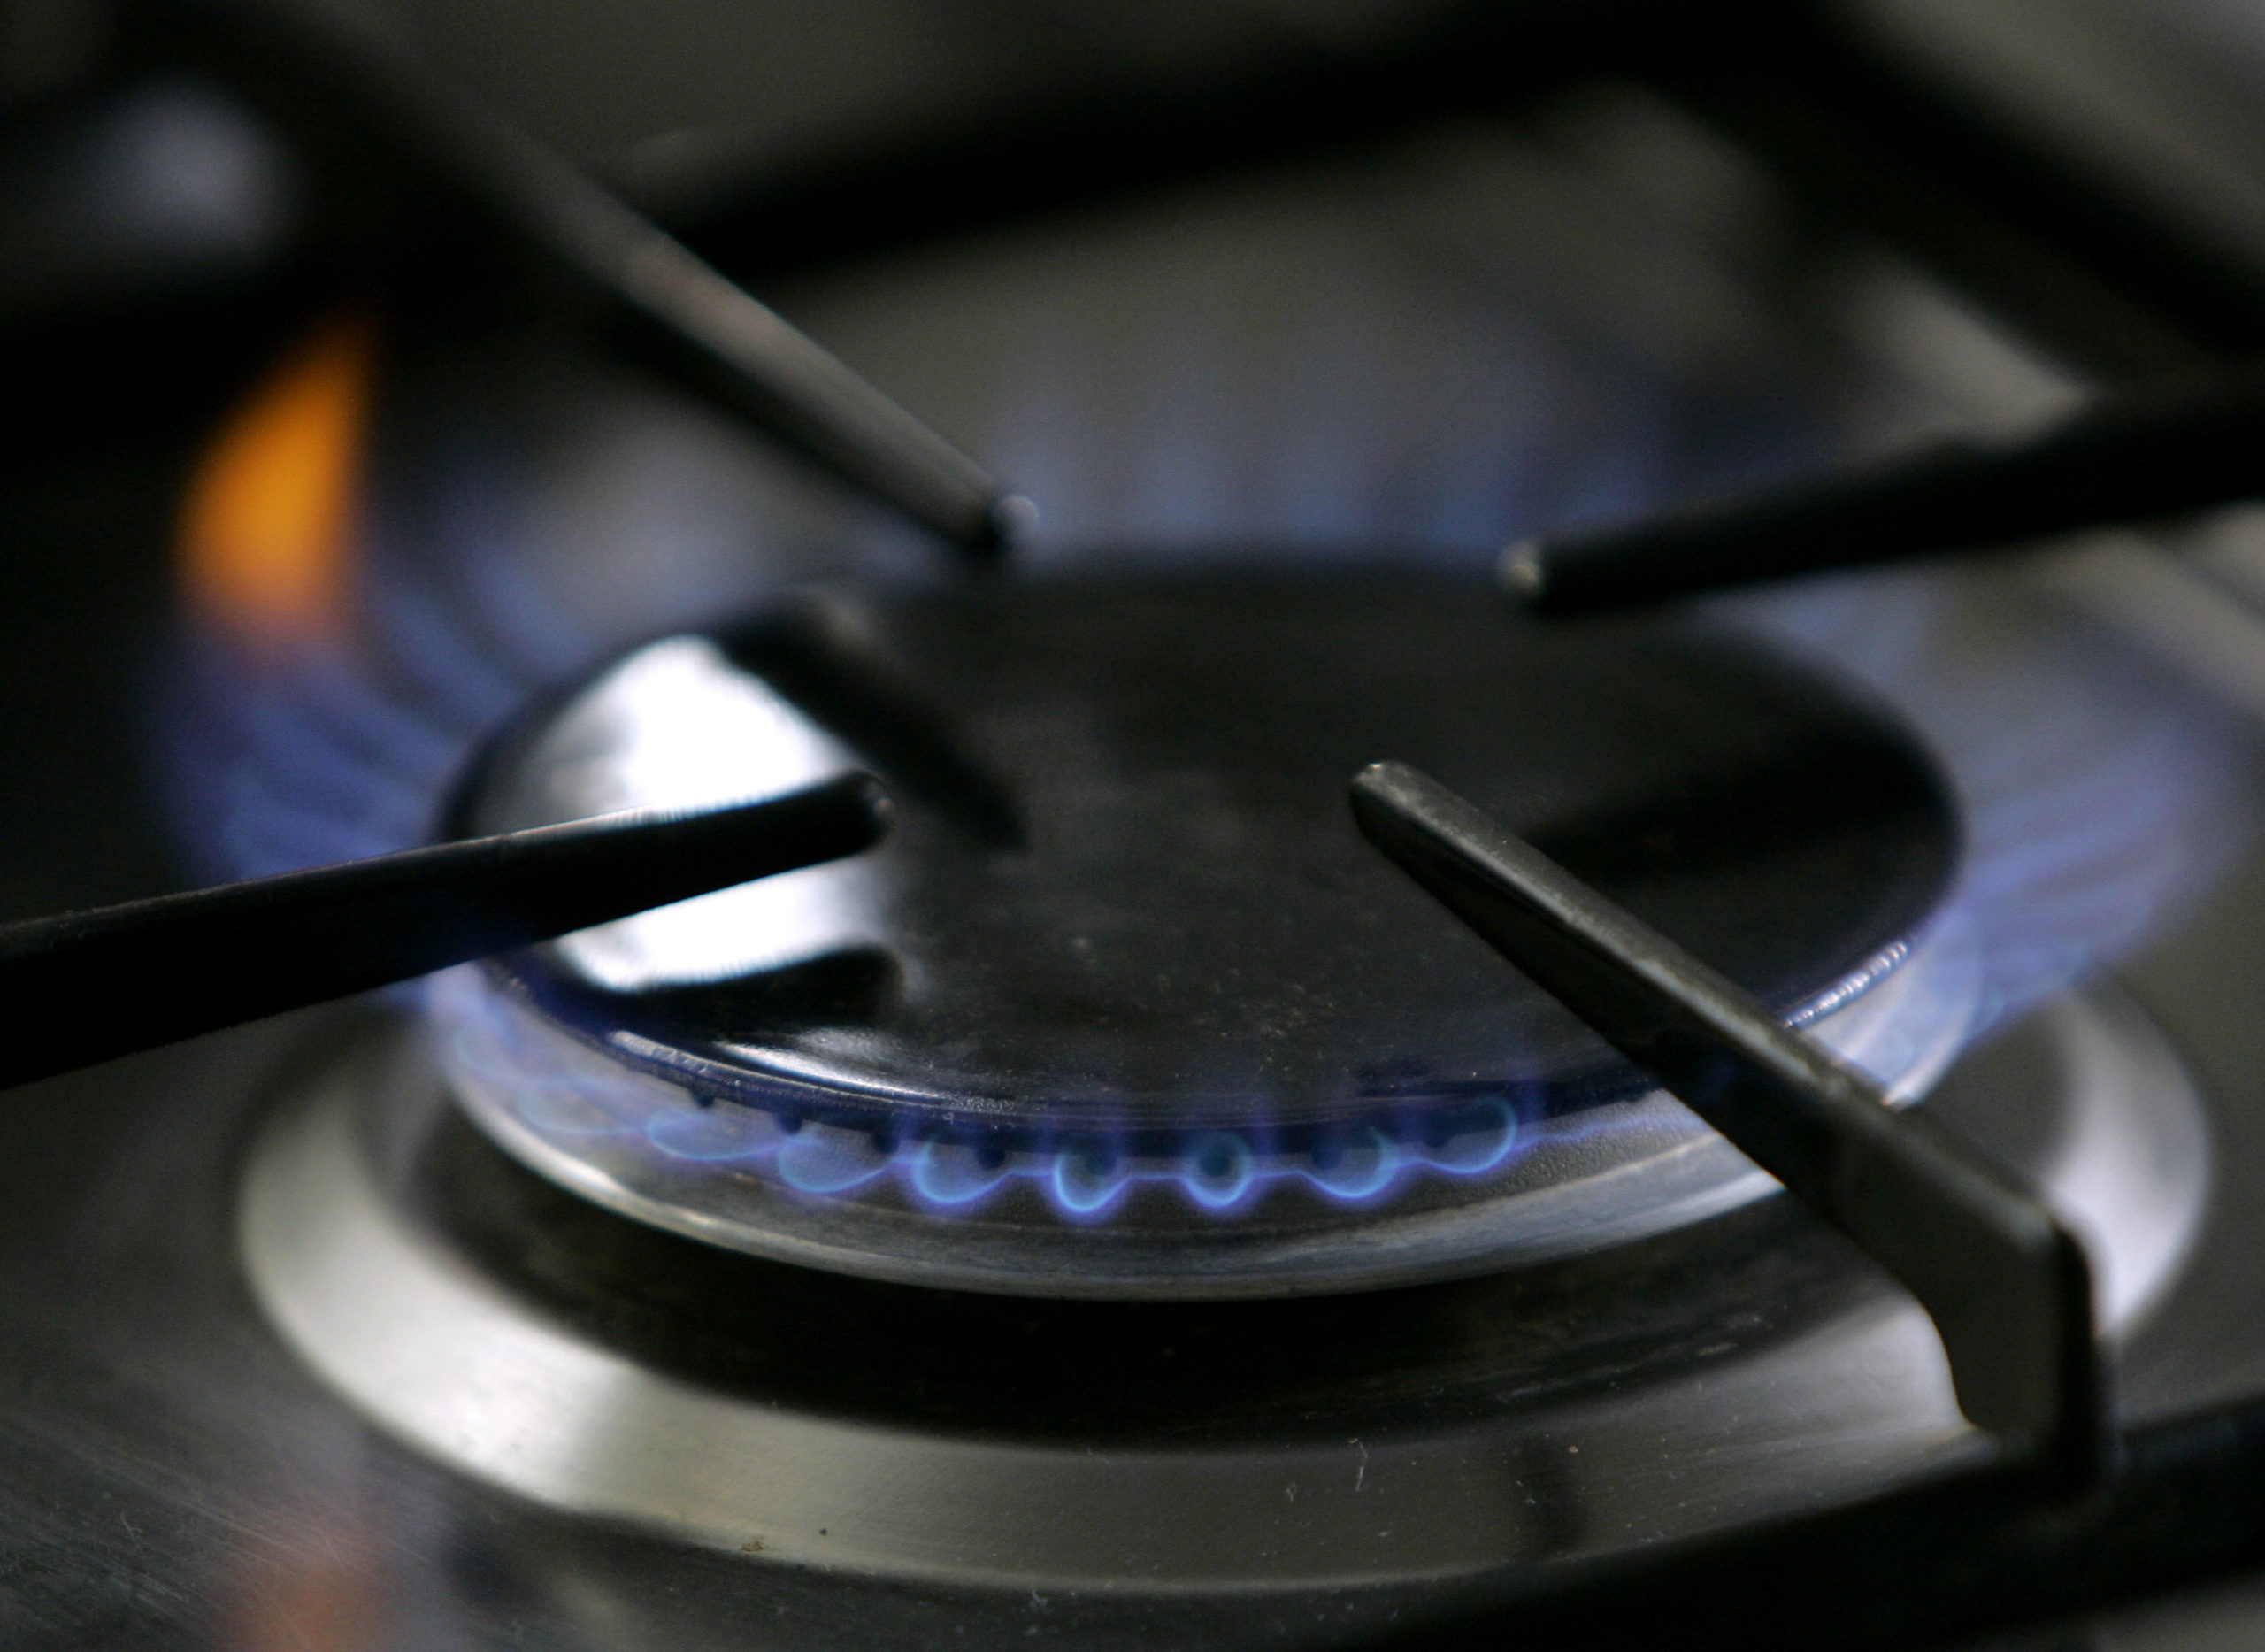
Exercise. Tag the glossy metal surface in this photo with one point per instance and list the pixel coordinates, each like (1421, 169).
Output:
(532, 1341)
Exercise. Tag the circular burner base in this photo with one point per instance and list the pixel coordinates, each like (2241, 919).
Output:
(522, 1336)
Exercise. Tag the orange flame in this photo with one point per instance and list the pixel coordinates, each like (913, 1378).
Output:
(267, 527)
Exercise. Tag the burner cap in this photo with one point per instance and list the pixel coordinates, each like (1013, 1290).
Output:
(1124, 917)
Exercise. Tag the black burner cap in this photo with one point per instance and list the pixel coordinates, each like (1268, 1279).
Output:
(1124, 890)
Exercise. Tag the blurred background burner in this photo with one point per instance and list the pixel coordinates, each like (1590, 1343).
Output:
(1122, 959)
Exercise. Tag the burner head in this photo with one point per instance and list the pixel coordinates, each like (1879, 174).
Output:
(1123, 969)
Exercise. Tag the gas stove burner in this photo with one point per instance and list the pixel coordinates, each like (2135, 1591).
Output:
(1124, 1007)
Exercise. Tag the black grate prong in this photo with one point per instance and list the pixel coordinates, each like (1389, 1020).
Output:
(88, 986)
(353, 95)
(2150, 453)
(2008, 1287)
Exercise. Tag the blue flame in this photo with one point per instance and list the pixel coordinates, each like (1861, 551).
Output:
(2096, 798)
(2099, 797)
(565, 1091)
(595, 1099)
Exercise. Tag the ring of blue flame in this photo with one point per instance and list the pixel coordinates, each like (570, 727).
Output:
(2099, 793)
(564, 1091)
